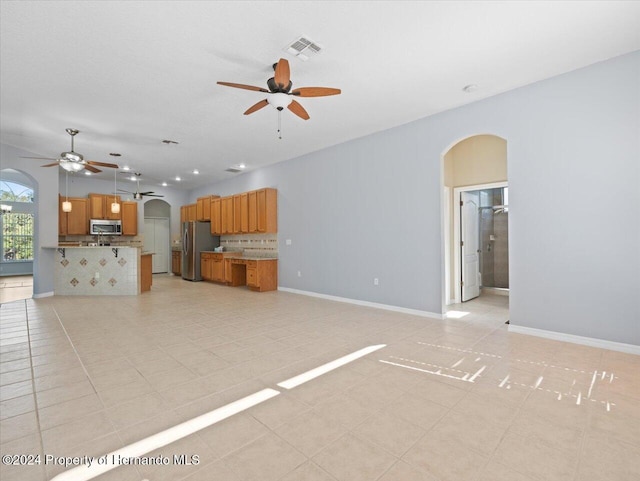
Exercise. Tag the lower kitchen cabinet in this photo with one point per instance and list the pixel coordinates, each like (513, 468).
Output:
(176, 263)
(212, 265)
(257, 274)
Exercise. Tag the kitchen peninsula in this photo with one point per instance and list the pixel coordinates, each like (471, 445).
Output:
(101, 271)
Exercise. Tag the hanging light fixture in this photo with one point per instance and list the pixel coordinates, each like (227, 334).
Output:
(66, 205)
(5, 209)
(115, 207)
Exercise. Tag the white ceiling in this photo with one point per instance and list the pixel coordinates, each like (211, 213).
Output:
(128, 74)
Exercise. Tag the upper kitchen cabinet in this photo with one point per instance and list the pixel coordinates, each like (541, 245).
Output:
(263, 211)
(216, 215)
(129, 218)
(226, 208)
(241, 213)
(100, 206)
(203, 208)
(75, 222)
(188, 213)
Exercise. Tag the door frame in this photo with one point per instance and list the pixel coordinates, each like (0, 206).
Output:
(168, 257)
(457, 252)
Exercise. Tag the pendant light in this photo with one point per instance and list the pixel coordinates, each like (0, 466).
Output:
(66, 205)
(115, 207)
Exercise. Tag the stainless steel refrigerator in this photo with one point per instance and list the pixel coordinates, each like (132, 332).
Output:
(196, 237)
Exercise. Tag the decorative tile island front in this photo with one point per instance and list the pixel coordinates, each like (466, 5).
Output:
(98, 271)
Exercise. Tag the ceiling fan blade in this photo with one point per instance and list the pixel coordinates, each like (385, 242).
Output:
(153, 195)
(243, 86)
(50, 165)
(282, 74)
(91, 169)
(298, 109)
(258, 106)
(315, 92)
(147, 193)
(102, 164)
(39, 158)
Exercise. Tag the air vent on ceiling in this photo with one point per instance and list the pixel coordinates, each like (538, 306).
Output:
(233, 169)
(302, 47)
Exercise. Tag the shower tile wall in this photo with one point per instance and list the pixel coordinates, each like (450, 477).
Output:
(501, 250)
(486, 229)
(495, 254)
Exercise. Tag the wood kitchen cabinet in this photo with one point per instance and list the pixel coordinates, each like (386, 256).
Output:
(75, 222)
(213, 266)
(146, 278)
(203, 208)
(216, 216)
(262, 211)
(129, 210)
(188, 213)
(226, 208)
(257, 274)
(241, 213)
(205, 266)
(100, 206)
(176, 263)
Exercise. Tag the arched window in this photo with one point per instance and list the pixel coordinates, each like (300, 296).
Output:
(16, 234)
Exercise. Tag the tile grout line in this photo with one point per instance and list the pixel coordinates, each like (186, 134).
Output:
(33, 387)
(77, 355)
(115, 429)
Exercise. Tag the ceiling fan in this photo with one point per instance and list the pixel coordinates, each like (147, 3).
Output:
(73, 161)
(137, 195)
(280, 93)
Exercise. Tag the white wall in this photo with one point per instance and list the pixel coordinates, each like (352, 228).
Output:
(372, 207)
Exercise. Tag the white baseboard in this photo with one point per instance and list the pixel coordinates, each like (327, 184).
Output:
(357, 302)
(43, 294)
(585, 341)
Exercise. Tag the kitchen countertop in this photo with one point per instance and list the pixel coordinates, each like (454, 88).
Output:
(239, 255)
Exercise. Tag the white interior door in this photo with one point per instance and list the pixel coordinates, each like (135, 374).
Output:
(470, 244)
(156, 240)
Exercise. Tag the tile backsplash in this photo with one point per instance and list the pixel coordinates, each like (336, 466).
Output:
(255, 245)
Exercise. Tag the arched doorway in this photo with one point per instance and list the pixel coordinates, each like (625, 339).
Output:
(475, 234)
(17, 235)
(157, 234)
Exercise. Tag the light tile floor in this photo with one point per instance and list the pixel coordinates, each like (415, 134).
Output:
(13, 288)
(83, 376)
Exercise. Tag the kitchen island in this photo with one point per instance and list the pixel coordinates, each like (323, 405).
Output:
(101, 271)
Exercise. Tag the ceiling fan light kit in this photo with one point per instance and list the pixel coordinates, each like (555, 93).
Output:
(280, 92)
(73, 161)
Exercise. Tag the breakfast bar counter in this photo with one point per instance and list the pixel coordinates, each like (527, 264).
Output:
(100, 271)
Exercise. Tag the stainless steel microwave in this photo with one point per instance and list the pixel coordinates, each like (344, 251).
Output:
(105, 227)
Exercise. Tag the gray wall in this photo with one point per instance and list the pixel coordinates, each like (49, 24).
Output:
(372, 207)
(45, 183)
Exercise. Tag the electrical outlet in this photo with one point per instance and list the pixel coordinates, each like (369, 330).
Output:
(288, 242)
(375, 281)
(299, 274)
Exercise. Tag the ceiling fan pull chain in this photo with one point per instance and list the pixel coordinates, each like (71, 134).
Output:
(280, 124)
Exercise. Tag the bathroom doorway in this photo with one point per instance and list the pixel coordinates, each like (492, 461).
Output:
(474, 164)
(481, 241)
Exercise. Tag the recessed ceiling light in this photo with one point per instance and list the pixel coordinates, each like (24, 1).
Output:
(242, 166)
(178, 179)
(470, 88)
(164, 184)
(126, 167)
(196, 171)
(86, 172)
